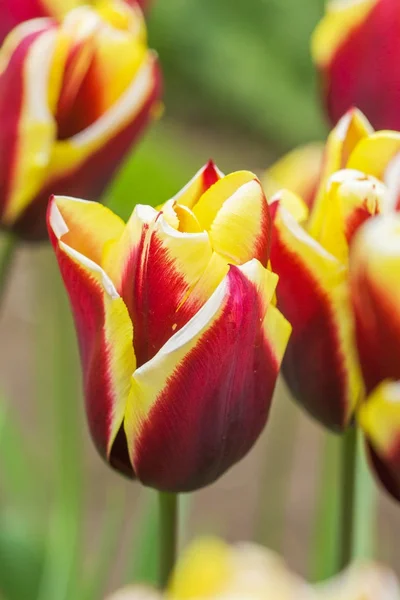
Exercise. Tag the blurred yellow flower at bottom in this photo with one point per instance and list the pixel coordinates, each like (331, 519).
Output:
(213, 570)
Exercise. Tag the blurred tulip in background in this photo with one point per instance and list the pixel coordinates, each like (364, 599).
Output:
(13, 13)
(74, 97)
(356, 48)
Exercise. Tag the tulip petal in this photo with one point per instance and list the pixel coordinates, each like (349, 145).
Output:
(351, 198)
(320, 365)
(375, 290)
(110, 134)
(351, 129)
(104, 333)
(379, 418)
(86, 226)
(28, 130)
(299, 171)
(293, 203)
(235, 213)
(373, 154)
(216, 376)
(206, 177)
(107, 48)
(340, 21)
(159, 266)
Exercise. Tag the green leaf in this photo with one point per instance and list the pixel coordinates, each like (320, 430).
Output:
(21, 558)
(19, 473)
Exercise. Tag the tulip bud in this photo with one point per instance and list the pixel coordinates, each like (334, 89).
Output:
(180, 341)
(13, 13)
(320, 364)
(358, 180)
(74, 97)
(356, 49)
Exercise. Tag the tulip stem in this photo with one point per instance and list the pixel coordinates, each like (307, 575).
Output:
(9, 246)
(347, 496)
(168, 535)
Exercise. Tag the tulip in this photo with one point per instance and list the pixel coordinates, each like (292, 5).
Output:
(375, 290)
(356, 49)
(74, 97)
(13, 13)
(310, 253)
(179, 337)
(211, 570)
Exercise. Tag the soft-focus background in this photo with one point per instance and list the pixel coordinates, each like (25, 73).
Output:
(240, 88)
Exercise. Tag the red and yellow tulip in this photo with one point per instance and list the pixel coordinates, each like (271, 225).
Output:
(12, 12)
(356, 48)
(74, 97)
(310, 253)
(212, 570)
(180, 340)
(375, 292)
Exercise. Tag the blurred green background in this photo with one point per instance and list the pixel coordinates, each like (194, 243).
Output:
(239, 88)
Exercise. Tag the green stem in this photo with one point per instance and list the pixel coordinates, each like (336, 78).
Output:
(347, 497)
(10, 244)
(168, 504)
(325, 529)
(365, 506)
